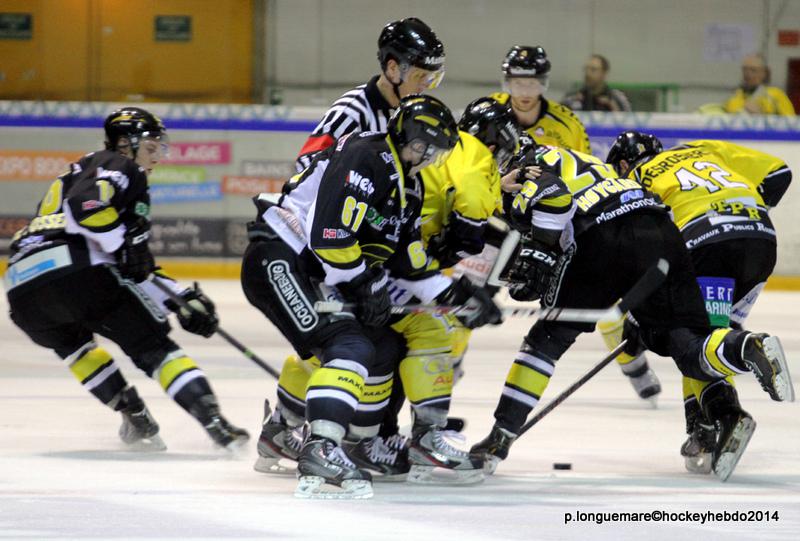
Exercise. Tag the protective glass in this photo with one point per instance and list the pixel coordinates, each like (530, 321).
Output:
(526, 87)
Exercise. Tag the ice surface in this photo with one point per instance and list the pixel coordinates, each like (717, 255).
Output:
(64, 474)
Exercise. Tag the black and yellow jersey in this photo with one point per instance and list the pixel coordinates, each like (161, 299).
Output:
(81, 220)
(716, 190)
(353, 208)
(575, 192)
(556, 126)
(460, 196)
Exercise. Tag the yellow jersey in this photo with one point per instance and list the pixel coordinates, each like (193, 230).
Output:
(556, 126)
(716, 190)
(771, 100)
(460, 196)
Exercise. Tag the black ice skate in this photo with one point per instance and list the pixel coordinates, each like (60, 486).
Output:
(386, 457)
(763, 354)
(698, 449)
(325, 472)
(735, 431)
(435, 461)
(139, 431)
(224, 434)
(735, 427)
(277, 441)
(494, 448)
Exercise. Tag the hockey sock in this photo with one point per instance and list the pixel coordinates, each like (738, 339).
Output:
(372, 406)
(182, 380)
(334, 392)
(525, 384)
(293, 383)
(94, 367)
(427, 379)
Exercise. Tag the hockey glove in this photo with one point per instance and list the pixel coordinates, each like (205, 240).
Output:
(633, 334)
(532, 272)
(134, 259)
(478, 308)
(370, 295)
(200, 317)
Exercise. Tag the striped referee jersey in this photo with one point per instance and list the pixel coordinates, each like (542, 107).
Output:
(360, 109)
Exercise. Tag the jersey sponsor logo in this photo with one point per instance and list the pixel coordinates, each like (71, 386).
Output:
(93, 204)
(359, 182)
(626, 208)
(631, 196)
(387, 157)
(117, 177)
(604, 189)
(329, 233)
(291, 296)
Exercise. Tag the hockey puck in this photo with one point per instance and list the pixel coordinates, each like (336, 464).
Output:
(562, 466)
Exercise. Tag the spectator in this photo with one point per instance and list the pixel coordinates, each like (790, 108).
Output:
(754, 96)
(595, 95)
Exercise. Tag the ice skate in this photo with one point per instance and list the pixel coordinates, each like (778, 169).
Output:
(456, 424)
(646, 386)
(735, 431)
(435, 461)
(277, 442)
(494, 448)
(139, 431)
(225, 434)
(386, 457)
(325, 472)
(697, 451)
(763, 354)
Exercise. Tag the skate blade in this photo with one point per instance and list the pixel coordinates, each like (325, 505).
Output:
(653, 401)
(433, 475)
(311, 487)
(784, 387)
(152, 444)
(381, 478)
(701, 463)
(272, 465)
(236, 448)
(730, 455)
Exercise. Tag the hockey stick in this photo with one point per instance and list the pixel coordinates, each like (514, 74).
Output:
(642, 289)
(648, 283)
(572, 388)
(247, 352)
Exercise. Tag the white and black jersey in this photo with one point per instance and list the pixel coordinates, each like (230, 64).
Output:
(360, 109)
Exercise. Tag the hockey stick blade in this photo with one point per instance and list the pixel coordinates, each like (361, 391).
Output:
(247, 352)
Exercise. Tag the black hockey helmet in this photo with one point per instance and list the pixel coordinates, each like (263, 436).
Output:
(526, 154)
(426, 125)
(492, 124)
(633, 147)
(411, 42)
(526, 61)
(134, 124)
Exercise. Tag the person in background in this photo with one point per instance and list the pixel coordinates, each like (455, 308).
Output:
(754, 96)
(595, 95)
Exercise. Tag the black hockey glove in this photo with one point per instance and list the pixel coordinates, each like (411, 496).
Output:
(134, 259)
(200, 317)
(369, 293)
(478, 307)
(633, 334)
(533, 271)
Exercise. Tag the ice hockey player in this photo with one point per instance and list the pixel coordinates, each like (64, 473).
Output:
(460, 196)
(526, 72)
(590, 239)
(349, 217)
(75, 271)
(412, 61)
(636, 368)
(720, 194)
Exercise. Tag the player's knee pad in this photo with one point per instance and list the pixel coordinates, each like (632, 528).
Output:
(176, 372)
(293, 382)
(427, 379)
(94, 367)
